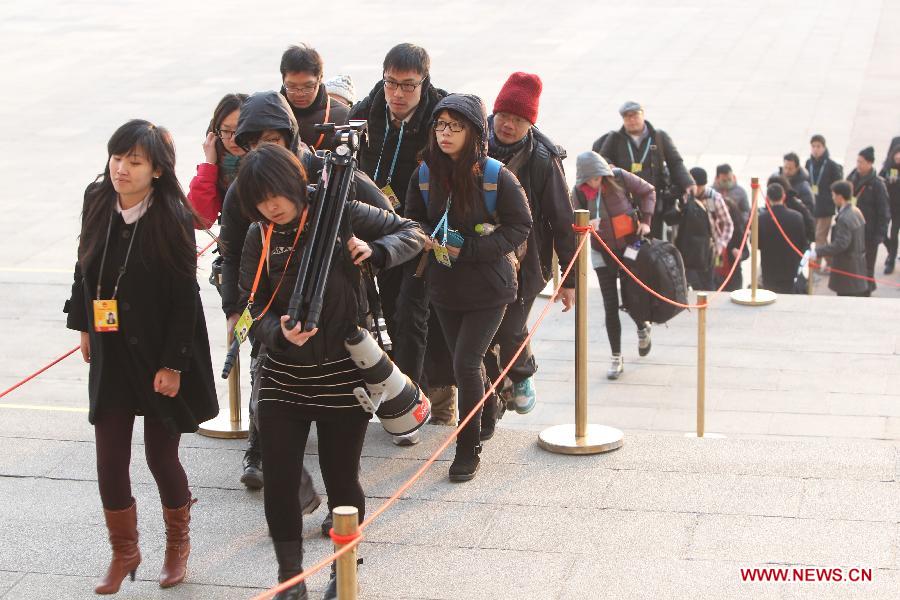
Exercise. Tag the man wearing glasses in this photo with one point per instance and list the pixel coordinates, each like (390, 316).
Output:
(398, 110)
(301, 78)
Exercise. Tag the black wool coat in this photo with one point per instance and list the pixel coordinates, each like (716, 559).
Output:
(161, 324)
(778, 260)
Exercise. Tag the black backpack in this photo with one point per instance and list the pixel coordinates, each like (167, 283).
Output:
(694, 238)
(659, 266)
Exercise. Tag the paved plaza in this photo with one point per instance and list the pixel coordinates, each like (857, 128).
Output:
(805, 390)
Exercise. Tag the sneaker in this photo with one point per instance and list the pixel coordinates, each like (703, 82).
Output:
(410, 439)
(252, 477)
(644, 342)
(464, 467)
(523, 397)
(889, 268)
(616, 367)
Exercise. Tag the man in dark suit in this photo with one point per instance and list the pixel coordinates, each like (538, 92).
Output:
(779, 261)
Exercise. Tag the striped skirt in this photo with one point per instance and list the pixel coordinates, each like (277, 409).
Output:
(317, 391)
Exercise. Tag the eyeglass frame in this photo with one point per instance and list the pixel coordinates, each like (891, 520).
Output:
(305, 90)
(407, 88)
(221, 134)
(462, 126)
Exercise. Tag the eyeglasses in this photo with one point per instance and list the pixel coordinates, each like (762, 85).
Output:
(455, 126)
(225, 134)
(390, 84)
(303, 90)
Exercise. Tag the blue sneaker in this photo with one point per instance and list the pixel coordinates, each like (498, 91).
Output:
(523, 397)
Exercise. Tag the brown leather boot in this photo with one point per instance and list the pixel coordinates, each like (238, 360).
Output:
(178, 544)
(123, 537)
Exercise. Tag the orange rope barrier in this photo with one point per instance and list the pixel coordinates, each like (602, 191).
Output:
(433, 458)
(38, 372)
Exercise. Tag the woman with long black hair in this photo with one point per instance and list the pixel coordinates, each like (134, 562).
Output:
(136, 302)
(471, 275)
(308, 377)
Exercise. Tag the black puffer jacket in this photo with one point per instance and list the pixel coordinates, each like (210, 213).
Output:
(308, 118)
(872, 201)
(373, 108)
(269, 110)
(393, 239)
(891, 175)
(822, 173)
(540, 171)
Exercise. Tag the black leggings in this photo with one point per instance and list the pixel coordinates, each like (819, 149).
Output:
(608, 277)
(112, 432)
(469, 333)
(283, 441)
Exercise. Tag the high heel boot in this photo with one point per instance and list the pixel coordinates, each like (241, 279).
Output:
(178, 544)
(123, 537)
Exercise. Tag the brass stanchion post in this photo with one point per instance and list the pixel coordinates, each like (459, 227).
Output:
(346, 523)
(754, 296)
(701, 363)
(232, 425)
(581, 438)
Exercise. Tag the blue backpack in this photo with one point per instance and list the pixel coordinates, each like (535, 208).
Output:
(489, 185)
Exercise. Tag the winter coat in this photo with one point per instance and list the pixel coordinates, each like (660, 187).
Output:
(847, 250)
(269, 110)
(822, 173)
(800, 183)
(315, 114)
(393, 240)
(161, 324)
(204, 195)
(632, 192)
(614, 148)
(736, 199)
(739, 219)
(778, 260)
(538, 167)
(891, 175)
(373, 108)
(692, 240)
(484, 274)
(872, 201)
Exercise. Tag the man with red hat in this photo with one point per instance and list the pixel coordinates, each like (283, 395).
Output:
(537, 162)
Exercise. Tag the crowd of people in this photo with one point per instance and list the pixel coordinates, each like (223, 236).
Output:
(454, 217)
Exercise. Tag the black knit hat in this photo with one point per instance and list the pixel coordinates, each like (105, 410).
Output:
(472, 108)
(699, 176)
(868, 153)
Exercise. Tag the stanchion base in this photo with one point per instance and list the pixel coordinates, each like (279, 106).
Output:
(224, 428)
(599, 438)
(745, 297)
(706, 436)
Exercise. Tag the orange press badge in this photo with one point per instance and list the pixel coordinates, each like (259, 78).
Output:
(106, 316)
(391, 196)
(636, 167)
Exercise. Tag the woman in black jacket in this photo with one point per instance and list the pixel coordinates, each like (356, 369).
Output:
(471, 275)
(308, 376)
(136, 302)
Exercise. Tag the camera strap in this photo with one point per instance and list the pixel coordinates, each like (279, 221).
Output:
(262, 259)
(327, 114)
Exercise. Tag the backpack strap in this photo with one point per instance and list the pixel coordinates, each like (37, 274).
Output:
(423, 182)
(489, 184)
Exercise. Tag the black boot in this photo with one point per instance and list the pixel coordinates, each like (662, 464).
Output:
(465, 464)
(489, 418)
(290, 563)
(252, 477)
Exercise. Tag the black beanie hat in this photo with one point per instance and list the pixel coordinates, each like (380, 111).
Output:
(868, 153)
(699, 176)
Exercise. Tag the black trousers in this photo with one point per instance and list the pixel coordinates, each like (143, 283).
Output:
(469, 333)
(608, 277)
(871, 253)
(891, 242)
(283, 443)
(112, 432)
(512, 332)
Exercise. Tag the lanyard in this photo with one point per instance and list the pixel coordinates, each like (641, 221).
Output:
(262, 260)
(387, 128)
(812, 172)
(103, 258)
(646, 151)
(327, 113)
(443, 224)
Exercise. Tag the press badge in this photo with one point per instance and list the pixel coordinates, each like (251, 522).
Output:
(636, 167)
(242, 327)
(442, 256)
(631, 253)
(106, 316)
(815, 190)
(388, 191)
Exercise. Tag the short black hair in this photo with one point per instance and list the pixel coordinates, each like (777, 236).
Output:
(818, 138)
(792, 156)
(843, 188)
(270, 170)
(301, 59)
(724, 169)
(408, 57)
(775, 192)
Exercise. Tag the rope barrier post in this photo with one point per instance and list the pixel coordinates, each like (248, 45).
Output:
(234, 424)
(810, 286)
(346, 524)
(581, 438)
(701, 363)
(754, 296)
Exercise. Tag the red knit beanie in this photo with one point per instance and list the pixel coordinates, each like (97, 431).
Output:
(520, 95)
